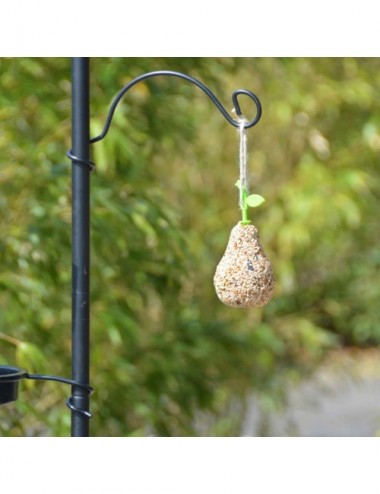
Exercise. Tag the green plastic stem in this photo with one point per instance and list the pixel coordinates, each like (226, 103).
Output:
(244, 208)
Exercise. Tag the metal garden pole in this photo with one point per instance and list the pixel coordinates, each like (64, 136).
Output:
(80, 245)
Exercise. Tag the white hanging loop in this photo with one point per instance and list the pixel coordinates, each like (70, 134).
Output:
(243, 161)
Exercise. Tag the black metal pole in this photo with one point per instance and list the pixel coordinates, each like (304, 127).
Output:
(80, 245)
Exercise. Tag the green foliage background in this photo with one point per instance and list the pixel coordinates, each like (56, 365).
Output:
(163, 203)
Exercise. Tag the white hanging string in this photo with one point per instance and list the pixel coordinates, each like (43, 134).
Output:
(243, 160)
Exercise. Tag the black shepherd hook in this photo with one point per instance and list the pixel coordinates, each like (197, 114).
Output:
(204, 88)
(247, 124)
(91, 165)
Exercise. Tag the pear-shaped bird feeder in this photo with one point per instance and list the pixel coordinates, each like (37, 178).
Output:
(244, 276)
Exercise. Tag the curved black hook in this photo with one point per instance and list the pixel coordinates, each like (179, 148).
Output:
(204, 88)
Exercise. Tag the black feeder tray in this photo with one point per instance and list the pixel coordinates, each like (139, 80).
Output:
(10, 378)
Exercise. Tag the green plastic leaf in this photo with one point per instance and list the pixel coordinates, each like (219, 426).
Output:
(254, 200)
(237, 184)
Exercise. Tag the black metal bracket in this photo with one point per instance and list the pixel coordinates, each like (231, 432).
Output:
(205, 89)
(247, 124)
(10, 378)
